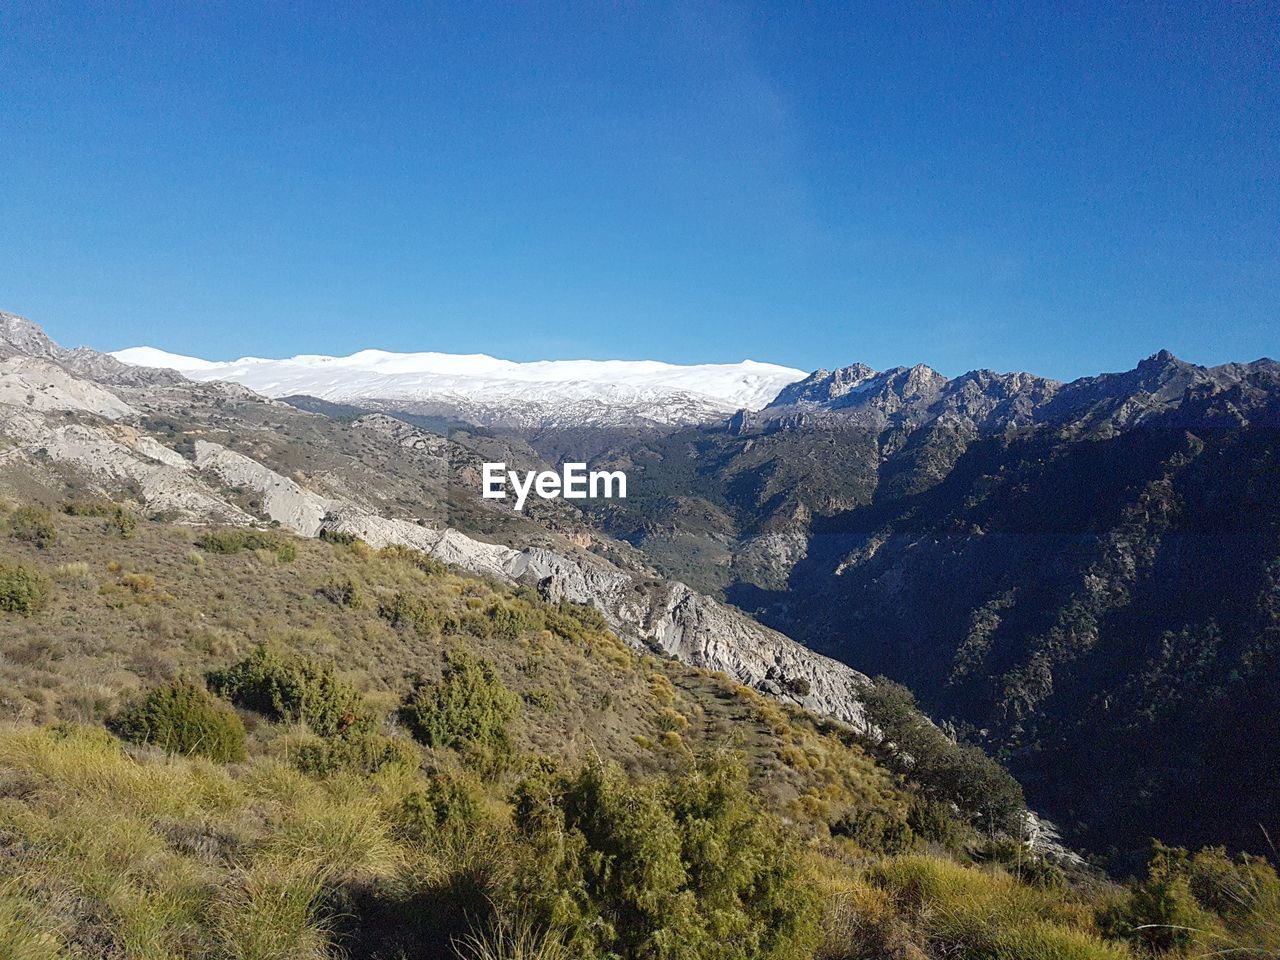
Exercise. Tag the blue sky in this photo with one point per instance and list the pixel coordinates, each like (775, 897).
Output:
(1010, 186)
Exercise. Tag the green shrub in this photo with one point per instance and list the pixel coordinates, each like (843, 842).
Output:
(1209, 902)
(289, 687)
(23, 589)
(511, 618)
(946, 771)
(122, 522)
(234, 540)
(89, 508)
(339, 538)
(874, 830)
(345, 592)
(800, 686)
(361, 751)
(399, 553)
(1160, 913)
(451, 806)
(183, 718)
(470, 709)
(689, 868)
(34, 525)
(935, 821)
(425, 615)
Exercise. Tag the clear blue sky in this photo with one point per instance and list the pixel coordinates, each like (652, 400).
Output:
(1007, 185)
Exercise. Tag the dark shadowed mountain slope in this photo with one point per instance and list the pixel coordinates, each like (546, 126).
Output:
(1085, 576)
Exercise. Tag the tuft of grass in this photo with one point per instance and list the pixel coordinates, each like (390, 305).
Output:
(964, 911)
(513, 939)
(78, 574)
(273, 912)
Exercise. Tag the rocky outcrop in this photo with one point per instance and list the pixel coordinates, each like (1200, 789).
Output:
(283, 500)
(664, 616)
(44, 387)
(116, 457)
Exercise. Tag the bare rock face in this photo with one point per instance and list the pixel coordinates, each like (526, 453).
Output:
(771, 556)
(116, 456)
(283, 500)
(19, 337)
(45, 387)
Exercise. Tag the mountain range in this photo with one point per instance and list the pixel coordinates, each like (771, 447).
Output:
(1082, 577)
(487, 391)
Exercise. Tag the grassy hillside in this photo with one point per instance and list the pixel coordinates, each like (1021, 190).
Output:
(421, 764)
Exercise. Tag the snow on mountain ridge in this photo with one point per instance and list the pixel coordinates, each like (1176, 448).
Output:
(702, 389)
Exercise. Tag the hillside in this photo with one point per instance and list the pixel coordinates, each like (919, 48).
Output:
(481, 767)
(318, 699)
(216, 452)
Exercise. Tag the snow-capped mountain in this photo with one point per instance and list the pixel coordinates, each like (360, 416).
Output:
(492, 392)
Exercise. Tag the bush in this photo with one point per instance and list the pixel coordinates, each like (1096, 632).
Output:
(34, 525)
(944, 770)
(935, 821)
(345, 592)
(89, 508)
(451, 806)
(468, 710)
(23, 589)
(399, 553)
(293, 688)
(359, 752)
(1160, 913)
(1209, 902)
(183, 718)
(424, 615)
(122, 522)
(874, 830)
(237, 539)
(688, 867)
(799, 686)
(339, 538)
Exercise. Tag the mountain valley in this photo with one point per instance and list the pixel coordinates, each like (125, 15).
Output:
(322, 698)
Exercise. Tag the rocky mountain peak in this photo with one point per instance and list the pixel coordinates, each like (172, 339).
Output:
(824, 386)
(20, 337)
(1163, 361)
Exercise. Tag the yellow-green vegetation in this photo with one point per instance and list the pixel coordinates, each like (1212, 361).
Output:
(183, 718)
(23, 589)
(469, 709)
(1206, 902)
(329, 751)
(34, 525)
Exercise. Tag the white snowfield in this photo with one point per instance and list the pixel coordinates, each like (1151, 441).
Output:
(492, 390)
